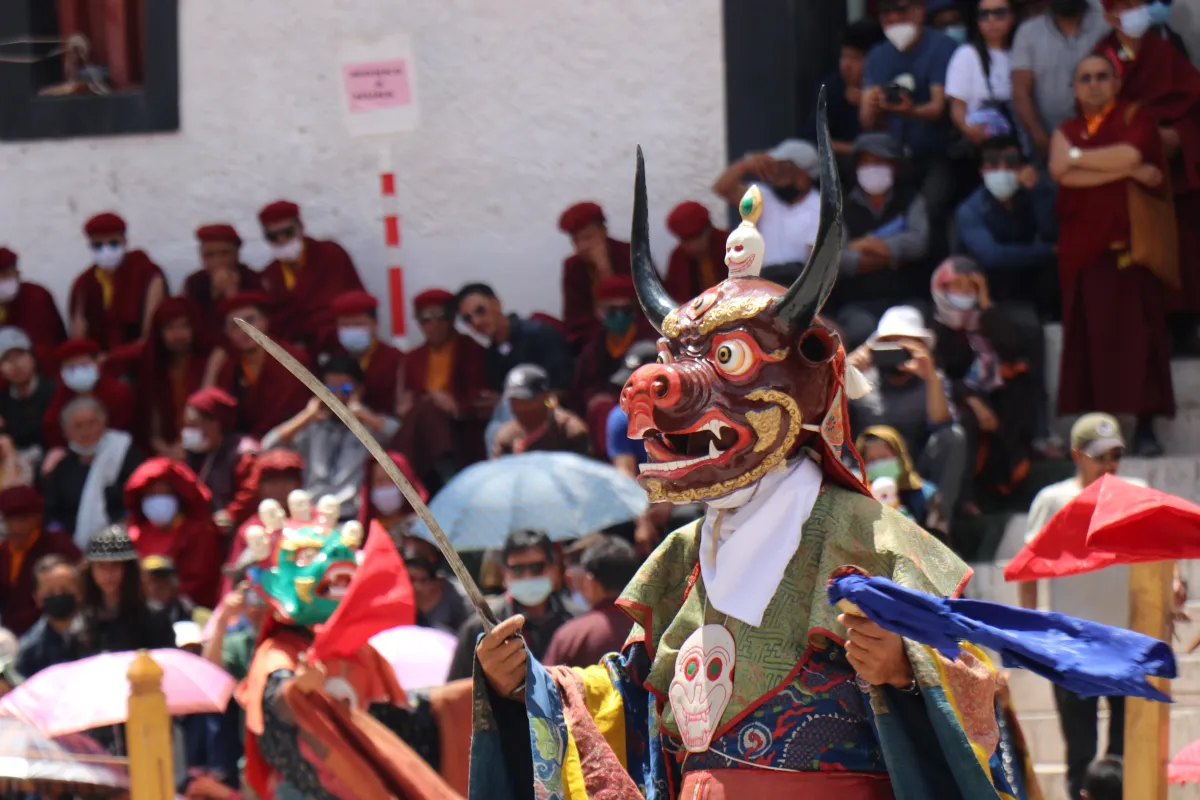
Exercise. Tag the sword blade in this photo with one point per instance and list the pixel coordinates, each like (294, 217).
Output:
(384, 460)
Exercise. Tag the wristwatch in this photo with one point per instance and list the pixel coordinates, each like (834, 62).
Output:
(1074, 154)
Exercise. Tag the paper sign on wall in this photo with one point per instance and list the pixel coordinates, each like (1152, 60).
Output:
(379, 88)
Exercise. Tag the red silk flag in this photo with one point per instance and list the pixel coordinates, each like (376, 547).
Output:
(1144, 522)
(380, 597)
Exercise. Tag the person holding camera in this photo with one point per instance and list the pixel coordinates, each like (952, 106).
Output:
(910, 394)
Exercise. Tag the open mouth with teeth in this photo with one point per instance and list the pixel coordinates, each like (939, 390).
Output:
(336, 581)
(713, 440)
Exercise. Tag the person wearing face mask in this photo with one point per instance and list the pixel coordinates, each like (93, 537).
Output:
(27, 395)
(539, 422)
(304, 276)
(170, 515)
(26, 542)
(624, 324)
(986, 353)
(112, 301)
(528, 558)
(356, 314)
(595, 256)
(885, 455)
(58, 635)
(80, 376)
(222, 459)
(1045, 51)
(30, 307)
(164, 593)
(1160, 80)
(222, 274)
(85, 483)
(607, 566)
(886, 226)
(381, 501)
(1009, 227)
(513, 340)
(947, 16)
(786, 176)
(170, 367)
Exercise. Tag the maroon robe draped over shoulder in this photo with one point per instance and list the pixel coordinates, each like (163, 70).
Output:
(33, 311)
(198, 289)
(1164, 83)
(467, 375)
(593, 389)
(161, 392)
(1116, 350)
(16, 595)
(382, 374)
(579, 307)
(302, 314)
(121, 322)
(684, 277)
(271, 397)
(116, 397)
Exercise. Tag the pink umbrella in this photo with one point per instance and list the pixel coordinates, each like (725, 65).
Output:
(1185, 766)
(94, 692)
(419, 656)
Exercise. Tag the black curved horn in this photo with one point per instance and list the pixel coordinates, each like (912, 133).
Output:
(650, 291)
(805, 297)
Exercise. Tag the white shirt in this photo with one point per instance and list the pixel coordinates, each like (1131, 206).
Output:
(965, 80)
(788, 231)
(1100, 596)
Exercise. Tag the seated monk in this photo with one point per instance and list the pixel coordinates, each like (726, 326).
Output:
(30, 307)
(597, 256)
(81, 376)
(698, 261)
(358, 334)
(171, 367)
(443, 407)
(304, 276)
(266, 392)
(113, 299)
(222, 274)
(222, 459)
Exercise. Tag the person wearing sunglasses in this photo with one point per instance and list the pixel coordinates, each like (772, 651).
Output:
(334, 458)
(979, 73)
(305, 275)
(1116, 349)
(357, 315)
(113, 299)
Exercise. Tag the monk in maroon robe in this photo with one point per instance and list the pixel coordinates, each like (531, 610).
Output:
(445, 405)
(171, 367)
(113, 299)
(80, 375)
(698, 261)
(356, 314)
(26, 542)
(306, 274)
(593, 389)
(222, 274)
(597, 256)
(1156, 76)
(1116, 351)
(30, 307)
(266, 392)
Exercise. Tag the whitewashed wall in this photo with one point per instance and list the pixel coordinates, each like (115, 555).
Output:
(526, 106)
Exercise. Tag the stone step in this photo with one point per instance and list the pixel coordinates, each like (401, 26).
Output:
(1052, 778)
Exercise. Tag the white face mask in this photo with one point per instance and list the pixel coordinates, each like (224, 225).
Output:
(1136, 21)
(193, 440)
(901, 35)
(81, 378)
(387, 499)
(289, 250)
(875, 178)
(108, 256)
(1002, 183)
(9, 288)
(355, 340)
(961, 302)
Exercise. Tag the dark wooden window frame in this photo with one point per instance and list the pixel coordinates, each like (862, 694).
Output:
(154, 108)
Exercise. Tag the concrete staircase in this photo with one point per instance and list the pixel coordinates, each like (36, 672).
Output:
(1177, 473)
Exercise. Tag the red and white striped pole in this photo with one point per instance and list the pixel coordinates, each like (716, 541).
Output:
(391, 238)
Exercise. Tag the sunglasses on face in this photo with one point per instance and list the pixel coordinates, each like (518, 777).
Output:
(281, 235)
(1001, 160)
(472, 313)
(96, 245)
(340, 388)
(1111, 457)
(531, 570)
(992, 13)
(426, 319)
(1089, 78)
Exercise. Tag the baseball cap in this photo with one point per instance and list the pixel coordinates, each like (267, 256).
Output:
(1096, 434)
(638, 355)
(877, 144)
(158, 563)
(13, 338)
(525, 382)
(797, 151)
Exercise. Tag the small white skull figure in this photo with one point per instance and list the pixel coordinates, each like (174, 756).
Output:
(272, 516)
(703, 685)
(328, 511)
(886, 491)
(352, 534)
(300, 506)
(745, 247)
(258, 542)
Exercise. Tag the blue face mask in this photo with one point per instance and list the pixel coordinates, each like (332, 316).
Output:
(81, 377)
(962, 302)
(618, 320)
(578, 599)
(355, 340)
(957, 32)
(1160, 13)
(1136, 21)
(160, 508)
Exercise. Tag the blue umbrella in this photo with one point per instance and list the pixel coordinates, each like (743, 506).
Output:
(1087, 658)
(561, 494)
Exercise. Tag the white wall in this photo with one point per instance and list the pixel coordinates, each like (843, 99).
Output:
(526, 106)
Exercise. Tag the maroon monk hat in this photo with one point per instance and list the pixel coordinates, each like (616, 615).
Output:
(615, 287)
(16, 500)
(74, 348)
(258, 300)
(279, 460)
(432, 297)
(8, 259)
(354, 302)
(688, 220)
(219, 233)
(278, 211)
(217, 403)
(579, 216)
(105, 224)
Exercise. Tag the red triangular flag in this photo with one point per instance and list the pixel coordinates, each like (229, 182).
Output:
(380, 597)
(1139, 521)
(1060, 548)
